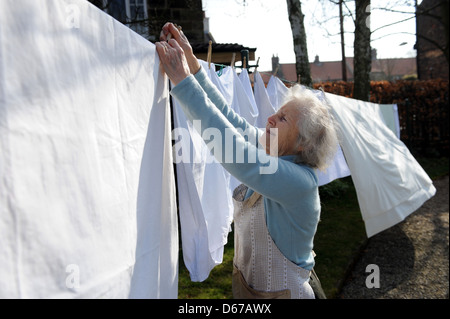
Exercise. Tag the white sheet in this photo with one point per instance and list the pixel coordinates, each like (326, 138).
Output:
(87, 204)
(389, 182)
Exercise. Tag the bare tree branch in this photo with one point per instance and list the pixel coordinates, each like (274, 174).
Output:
(393, 23)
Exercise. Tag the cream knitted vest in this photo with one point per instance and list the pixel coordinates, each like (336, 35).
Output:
(260, 262)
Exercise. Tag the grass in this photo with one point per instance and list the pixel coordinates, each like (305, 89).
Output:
(339, 238)
(218, 284)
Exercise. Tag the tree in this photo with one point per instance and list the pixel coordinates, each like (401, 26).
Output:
(438, 12)
(341, 4)
(296, 18)
(435, 10)
(362, 51)
(341, 23)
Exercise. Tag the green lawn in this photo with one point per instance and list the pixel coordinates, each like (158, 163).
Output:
(339, 238)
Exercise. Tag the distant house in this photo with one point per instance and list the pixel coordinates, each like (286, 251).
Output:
(322, 71)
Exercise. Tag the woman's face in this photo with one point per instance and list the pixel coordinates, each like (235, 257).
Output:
(282, 131)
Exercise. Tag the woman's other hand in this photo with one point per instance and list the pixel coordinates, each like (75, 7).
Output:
(178, 35)
(173, 60)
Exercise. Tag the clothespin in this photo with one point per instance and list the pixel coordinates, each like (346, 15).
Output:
(276, 70)
(257, 64)
(169, 36)
(244, 63)
(298, 80)
(233, 59)
(209, 54)
(219, 74)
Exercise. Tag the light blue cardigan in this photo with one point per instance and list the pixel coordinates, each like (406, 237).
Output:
(291, 197)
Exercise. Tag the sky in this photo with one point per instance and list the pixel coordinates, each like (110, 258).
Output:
(264, 25)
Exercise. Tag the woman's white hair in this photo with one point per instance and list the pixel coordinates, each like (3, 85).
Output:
(317, 129)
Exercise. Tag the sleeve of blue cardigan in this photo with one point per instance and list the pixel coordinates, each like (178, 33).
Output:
(270, 176)
(251, 132)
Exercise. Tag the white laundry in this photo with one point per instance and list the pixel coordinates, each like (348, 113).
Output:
(277, 92)
(338, 169)
(206, 206)
(242, 104)
(389, 114)
(87, 196)
(265, 107)
(389, 182)
(224, 83)
(247, 85)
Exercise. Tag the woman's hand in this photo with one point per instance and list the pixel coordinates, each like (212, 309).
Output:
(178, 35)
(173, 60)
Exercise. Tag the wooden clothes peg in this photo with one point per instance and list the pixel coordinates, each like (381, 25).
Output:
(276, 70)
(257, 64)
(233, 59)
(209, 54)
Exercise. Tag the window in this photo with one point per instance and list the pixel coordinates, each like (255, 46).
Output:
(117, 9)
(133, 13)
(137, 12)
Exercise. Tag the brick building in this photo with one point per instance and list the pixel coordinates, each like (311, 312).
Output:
(322, 71)
(146, 17)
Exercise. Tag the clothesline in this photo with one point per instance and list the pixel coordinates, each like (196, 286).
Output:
(222, 66)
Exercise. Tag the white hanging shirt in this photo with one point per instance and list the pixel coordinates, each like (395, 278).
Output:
(242, 104)
(247, 85)
(206, 206)
(87, 194)
(390, 183)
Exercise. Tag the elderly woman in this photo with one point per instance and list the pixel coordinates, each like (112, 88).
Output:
(276, 211)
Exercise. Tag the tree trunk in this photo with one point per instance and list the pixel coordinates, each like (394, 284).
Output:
(344, 62)
(296, 18)
(362, 51)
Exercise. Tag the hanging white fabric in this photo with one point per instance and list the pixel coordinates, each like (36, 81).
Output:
(337, 169)
(242, 104)
(87, 196)
(224, 83)
(389, 114)
(206, 207)
(277, 92)
(247, 86)
(265, 107)
(390, 183)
